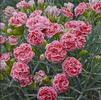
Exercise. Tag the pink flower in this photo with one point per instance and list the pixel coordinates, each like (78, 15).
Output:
(37, 23)
(12, 40)
(72, 40)
(22, 4)
(55, 52)
(72, 67)
(5, 56)
(8, 11)
(35, 13)
(2, 39)
(67, 12)
(68, 41)
(23, 53)
(84, 27)
(2, 65)
(69, 5)
(39, 76)
(52, 11)
(25, 81)
(97, 7)
(60, 83)
(20, 73)
(47, 93)
(31, 2)
(35, 37)
(52, 29)
(80, 9)
(18, 19)
(2, 25)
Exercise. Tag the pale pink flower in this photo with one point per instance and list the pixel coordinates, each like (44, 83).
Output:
(2, 65)
(18, 19)
(12, 40)
(23, 53)
(9, 11)
(60, 83)
(31, 2)
(69, 5)
(72, 67)
(39, 76)
(47, 93)
(52, 11)
(55, 52)
(80, 9)
(20, 73)
(23, 4)
(66, 12)
(2, 25)
(2, 39)
(35, 37)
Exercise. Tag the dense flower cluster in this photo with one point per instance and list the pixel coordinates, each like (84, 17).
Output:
(39, 38)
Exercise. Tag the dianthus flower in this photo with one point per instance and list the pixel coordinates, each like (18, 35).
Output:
(23, 53)
(55, 52)
(72, 67)
(47, 93)
(60, 83)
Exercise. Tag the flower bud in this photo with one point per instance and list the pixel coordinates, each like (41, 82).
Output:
(2, 65)
(2, 26)
(42, 57)
(97, 58)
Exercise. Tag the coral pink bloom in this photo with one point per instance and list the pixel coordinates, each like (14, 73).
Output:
(60, 83)
(67, 12)
(37, 22)
(23, 53)
(22, 4)
(80, 9)
(68, 41)
(18, 19)
(73, 40)
(20, 73)
(12, 40)
(2, 39)
(97, 7)
(55, 52)
(52, 29)
(35, 37)
(83, 27)
(72, 67)
(47, 93)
